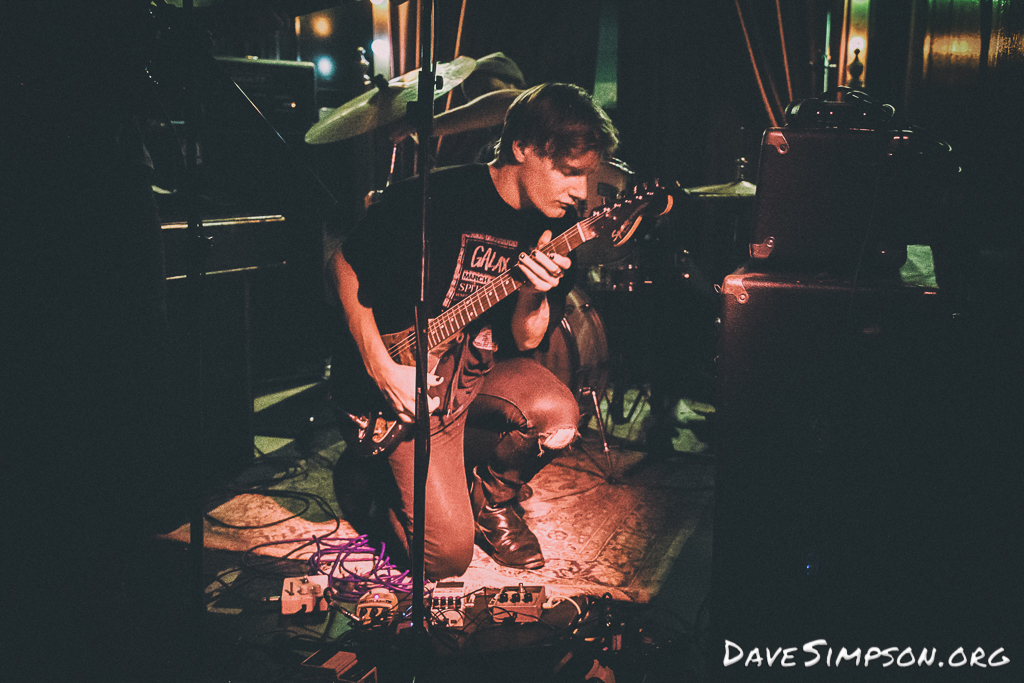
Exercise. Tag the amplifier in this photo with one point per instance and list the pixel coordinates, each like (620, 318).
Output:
(265, 270)
(825, 199)
(243, 162)
(237, 243)
(283, 91)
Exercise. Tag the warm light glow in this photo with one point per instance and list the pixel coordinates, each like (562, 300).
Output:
(962, 46)
(325, 65)
(855, 38)
(322, 26)
(378, 2)
(381, 47)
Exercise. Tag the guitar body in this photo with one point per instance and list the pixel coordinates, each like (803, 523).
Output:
(378, 432)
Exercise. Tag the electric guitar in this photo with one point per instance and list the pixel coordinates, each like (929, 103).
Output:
(378, 432)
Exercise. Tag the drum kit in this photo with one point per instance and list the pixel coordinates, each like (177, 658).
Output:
(579, 351)
(385, 103)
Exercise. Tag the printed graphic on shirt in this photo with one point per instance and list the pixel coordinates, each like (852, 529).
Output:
(484, 340)
(481, 259)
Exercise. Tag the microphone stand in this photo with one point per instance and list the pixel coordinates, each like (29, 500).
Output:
(424, 117)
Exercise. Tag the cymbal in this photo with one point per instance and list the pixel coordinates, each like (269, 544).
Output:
(377, 107)
(737, 188)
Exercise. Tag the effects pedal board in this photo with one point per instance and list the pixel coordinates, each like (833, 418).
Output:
(524, 603)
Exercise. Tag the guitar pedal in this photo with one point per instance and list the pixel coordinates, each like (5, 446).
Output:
(449, 601)
(521, 603)
(376, 607)
(304, 594)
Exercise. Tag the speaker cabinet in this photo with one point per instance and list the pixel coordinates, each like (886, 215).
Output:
(210, 334)
(831, 409)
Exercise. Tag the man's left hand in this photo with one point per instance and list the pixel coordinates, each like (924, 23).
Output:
(543, 272)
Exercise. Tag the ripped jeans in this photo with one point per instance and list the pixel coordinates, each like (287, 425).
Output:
(521, 418)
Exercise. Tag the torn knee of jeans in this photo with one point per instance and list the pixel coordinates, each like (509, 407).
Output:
(559, 438)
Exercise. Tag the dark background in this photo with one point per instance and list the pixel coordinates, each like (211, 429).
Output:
(103, 391)
(688, 100)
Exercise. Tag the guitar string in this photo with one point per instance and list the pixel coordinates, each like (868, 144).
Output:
(460, 308)
(457, 309)
(409, 340)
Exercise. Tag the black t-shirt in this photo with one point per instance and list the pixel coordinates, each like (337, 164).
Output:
(474, 236)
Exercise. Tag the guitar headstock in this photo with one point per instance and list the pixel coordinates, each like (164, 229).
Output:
(620, 219)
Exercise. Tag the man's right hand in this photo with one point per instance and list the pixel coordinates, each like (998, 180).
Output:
(398, 384)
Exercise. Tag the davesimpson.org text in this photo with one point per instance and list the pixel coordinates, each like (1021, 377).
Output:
(820, 653)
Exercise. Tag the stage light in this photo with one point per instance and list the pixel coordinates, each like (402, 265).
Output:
(381, 47)
(325, 65)
(857, 43)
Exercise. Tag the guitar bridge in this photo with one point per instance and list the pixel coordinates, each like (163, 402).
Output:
(381, 428)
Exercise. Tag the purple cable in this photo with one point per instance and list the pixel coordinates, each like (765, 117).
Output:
(331, 555)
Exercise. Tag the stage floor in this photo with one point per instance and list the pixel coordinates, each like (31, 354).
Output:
(627, 537)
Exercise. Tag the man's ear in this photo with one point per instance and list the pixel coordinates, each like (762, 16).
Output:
(519, 151)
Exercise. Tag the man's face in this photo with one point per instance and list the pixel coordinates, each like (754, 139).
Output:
(553, 186)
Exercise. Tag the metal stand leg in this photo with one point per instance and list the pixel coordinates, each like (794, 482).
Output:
(587, 391)
(600, 426)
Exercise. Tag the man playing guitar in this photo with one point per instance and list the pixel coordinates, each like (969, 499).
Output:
(491, 227)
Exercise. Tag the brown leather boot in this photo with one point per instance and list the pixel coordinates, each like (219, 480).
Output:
(499, 528)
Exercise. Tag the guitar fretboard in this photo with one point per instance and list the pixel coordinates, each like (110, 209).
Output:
(455, 319)
(449, 323)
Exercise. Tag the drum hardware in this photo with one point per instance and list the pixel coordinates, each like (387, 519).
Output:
(617, 407)
(740, 188)
(718, 242)
(617, 277)
(587, 391)
(374, 196)
(577, 354)
(384, 104)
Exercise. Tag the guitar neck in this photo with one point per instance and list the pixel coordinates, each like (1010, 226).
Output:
(619, 221)
(456, 318)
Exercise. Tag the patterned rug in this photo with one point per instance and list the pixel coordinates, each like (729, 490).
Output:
(608, 522)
